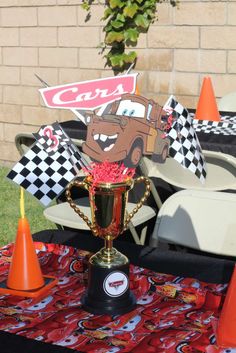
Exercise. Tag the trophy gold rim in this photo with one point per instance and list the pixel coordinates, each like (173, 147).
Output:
(108, 185)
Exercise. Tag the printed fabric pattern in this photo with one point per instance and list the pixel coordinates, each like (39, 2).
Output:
(173, 314)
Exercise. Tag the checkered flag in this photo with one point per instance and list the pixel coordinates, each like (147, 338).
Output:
(184, 144)
(44, 176)
(223, 127)
(52, 137)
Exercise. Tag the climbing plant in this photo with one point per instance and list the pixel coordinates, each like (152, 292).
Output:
(124, 21)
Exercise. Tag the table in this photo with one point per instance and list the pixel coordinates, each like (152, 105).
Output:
(187, 265)
(219, 137)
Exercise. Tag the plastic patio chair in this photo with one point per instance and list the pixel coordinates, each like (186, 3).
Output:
(221, 173)
(201, 220)
(23, 141)
(227, 103)
(64, 216)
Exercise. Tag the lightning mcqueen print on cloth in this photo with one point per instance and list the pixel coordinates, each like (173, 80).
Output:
(173, 314)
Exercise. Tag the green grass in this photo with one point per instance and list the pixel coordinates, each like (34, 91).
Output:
(10, 210)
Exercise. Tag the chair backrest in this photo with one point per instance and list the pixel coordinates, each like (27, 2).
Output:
(228, 102)
(202, 220)
(221, 172)
(23, 141)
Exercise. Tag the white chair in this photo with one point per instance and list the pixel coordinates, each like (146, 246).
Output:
(23, 141)
(201, 220)
(62, 214)
(221, 172)
(221, 176)
(228, 102)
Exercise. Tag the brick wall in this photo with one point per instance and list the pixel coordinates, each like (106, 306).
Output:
(52, 38)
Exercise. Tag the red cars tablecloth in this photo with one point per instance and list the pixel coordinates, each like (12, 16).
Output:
(173, 314)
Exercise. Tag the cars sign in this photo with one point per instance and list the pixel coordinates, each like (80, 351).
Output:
(89, 94)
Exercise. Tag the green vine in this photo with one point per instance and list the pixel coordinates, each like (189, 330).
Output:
(124, 21)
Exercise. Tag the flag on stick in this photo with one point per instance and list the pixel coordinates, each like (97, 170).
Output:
(51, 163)
(184, 144)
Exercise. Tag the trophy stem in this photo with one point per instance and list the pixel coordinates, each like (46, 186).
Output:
(108, 243)
(108, 251)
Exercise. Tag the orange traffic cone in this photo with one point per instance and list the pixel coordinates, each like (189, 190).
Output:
(25, 277)
(137, 90)
(207, 107)
(226, 329)
(25, 272)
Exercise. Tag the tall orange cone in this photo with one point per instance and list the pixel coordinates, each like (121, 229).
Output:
(226, 329)
(137, 90)
(207, 107)
(25, 272)
(25, 278)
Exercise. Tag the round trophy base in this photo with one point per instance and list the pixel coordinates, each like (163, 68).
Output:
(108, 307)
(108, 290)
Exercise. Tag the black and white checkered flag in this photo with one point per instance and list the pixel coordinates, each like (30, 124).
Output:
(51, 163)
(184, 144)
(52, 137)
(44, 176)
(227, 126)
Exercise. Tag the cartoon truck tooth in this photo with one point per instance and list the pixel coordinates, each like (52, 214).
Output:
(131, 127)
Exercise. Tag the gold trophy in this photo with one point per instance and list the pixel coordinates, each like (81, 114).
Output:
(108, 289)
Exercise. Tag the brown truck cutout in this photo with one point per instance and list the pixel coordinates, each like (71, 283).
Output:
(131, 127)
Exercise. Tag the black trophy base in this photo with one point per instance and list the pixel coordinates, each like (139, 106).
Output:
(108, 290)
(107, 307)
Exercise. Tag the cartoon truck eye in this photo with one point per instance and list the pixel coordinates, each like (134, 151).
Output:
(129, 128)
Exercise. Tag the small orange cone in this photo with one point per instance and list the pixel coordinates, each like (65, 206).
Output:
(226, 329)
(137, 90)
(25, 272)
(207, 107)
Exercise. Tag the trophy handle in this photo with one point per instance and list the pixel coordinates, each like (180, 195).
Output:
(147, 183)
(79, 184)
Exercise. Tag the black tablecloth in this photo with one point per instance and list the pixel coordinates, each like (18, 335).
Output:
(207, 269)
(211, 141)
(218, 143)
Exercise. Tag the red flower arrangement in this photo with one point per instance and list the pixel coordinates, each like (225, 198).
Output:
(107, 172)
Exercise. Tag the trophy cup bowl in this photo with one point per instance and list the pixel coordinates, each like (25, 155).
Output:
(108, 289)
